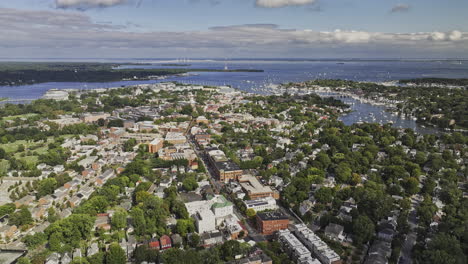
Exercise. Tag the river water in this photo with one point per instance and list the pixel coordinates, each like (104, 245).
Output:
(280, 71)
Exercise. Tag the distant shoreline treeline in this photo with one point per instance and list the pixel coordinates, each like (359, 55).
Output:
(18, 73)
(439, 81)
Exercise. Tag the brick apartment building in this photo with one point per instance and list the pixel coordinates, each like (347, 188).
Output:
(270, 222)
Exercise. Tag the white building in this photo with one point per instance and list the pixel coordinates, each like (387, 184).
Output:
(210, 213)
(221, 206)
(205, 221)
(267, 203)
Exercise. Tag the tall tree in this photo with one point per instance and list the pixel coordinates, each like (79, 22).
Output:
(363, 229)
(115, 255)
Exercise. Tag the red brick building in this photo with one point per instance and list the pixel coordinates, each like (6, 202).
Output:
(270, 222)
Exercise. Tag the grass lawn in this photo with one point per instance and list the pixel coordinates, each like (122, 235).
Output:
(19, 116)
(11, 148)
(30, 159)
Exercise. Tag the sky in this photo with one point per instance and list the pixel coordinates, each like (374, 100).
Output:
(234, 29)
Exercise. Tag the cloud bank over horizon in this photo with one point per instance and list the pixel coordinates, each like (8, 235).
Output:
(85, 4)
(88, 4)
(59, 33)
(282, 3)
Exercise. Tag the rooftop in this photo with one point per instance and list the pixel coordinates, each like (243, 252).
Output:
(252, 185)
(269, 216)
(227, 166)
(221, 201)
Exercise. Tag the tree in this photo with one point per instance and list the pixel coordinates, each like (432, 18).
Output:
(69, 231)
(2, 153)
(230, 249)
(184, 226)
(20, 148)
(101, 122)
(115, 255)
(32, 241)
(190, 183)
(46, 186)
(178, 208)
(55, 241)
(426, 210)
(7, 209)
(373, 201)
(139, 220)
(119, 220)
(186, 110)
(194, 240)
(250, 213)
(20, 218)
(444, 248)
(324, 195)
(52, 215)
(420, 158)
(363, 229)
(79, 260)
(324, 160)
(343, 172)
(115, 123)
(129, 144)
(95, 205)
(97, 258)
(23, 260)
(411, 185)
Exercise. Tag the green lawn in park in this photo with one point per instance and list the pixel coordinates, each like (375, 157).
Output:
(19, 116)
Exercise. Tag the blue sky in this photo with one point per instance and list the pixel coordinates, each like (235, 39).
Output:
(154, 28)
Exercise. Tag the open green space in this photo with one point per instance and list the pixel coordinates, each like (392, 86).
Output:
(20, 116)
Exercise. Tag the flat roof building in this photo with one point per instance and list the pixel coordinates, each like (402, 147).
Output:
(270, 222)
(319, 248)
(267, 203)
(175, 138)
(155, 145)
(255, 189)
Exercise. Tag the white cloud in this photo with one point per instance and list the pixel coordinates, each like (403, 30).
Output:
(455, 35)
(437, 36)
(282, 3)
(451, 36)
(84, 4)
(400, 8)
(51, 33)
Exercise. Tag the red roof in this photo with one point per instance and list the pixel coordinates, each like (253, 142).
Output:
(165, 242)
(154, 244)
(103, 214)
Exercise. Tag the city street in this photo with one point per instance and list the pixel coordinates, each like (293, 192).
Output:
(410, 241)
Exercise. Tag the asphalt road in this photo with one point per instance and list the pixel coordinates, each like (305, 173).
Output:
(410, 241)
